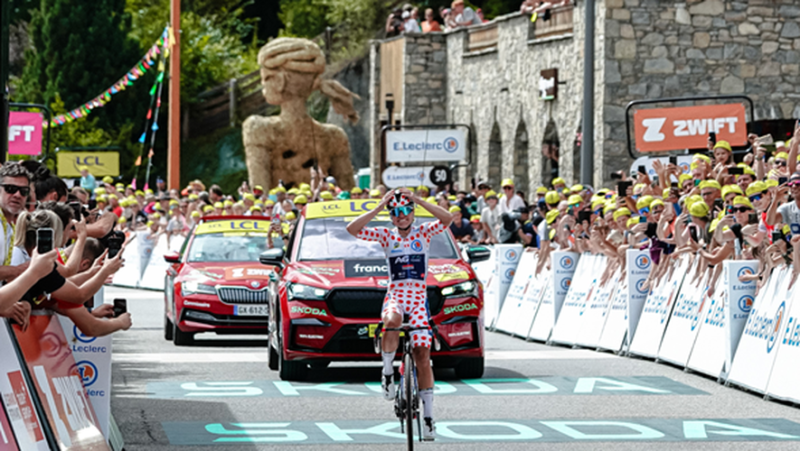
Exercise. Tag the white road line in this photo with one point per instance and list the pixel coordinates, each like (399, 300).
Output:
(261, 357)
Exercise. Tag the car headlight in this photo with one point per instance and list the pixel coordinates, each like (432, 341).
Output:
(468, 288)
(190, 287)
(300, 291)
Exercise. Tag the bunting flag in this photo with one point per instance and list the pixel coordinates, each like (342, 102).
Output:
(136, 72)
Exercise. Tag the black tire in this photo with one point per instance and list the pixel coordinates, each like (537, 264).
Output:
(181, 338)
(289, 370)
(168, 332)
(408, 388)
(272, 358)
(471, 368)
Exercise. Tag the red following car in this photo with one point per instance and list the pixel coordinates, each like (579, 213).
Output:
(327, 303)
(216, 283)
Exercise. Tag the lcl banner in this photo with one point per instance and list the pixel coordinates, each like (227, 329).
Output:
(58, 382)
(24, 133)
(100, 164)
(664, 129)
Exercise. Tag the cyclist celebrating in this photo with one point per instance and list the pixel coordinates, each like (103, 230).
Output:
(406, 249)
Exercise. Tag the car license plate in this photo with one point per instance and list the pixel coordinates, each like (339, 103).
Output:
(250, 310)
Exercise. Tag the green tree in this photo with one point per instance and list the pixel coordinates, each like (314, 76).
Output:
(78, 50)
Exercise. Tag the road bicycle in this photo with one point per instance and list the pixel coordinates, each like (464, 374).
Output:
(405, 411)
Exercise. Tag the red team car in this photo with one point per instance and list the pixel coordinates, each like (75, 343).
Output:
(327, 303)
(216, 283)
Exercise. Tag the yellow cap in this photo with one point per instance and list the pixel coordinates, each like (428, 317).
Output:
(452, 197)
(786, 230)
(771, 182)
(638, 187)
(598, 203)
(268, 202)
(250, 197)
(208, 209)
(156, 216)
(430, 200)
(609, 207)
(326, 195)
(122, 220)
(193, 197)
(195, 214)
(559, 181)
(756, 187)
(728, 189)
(684, 177)
(141, 193)
(227, 203)
(699, 210)
(150, 223)
(541, 190)
(175, 202)
(741, 200)
(701, 157)
(723, 145)
(120, 186)
(692, 199)
(218, 205)
(255, 208)
(280, 188)
(665, 193)
(455, 209)
(782, 155)
(552, 198)
(573, 199)
(148, 191)
(375, 193)
(108, 179)
(290, 216)
(713, 225)
(100, 191)
(710, 184)
(621, 212)
(304, 187)
(300, 200)
(293, 191)
(644, 202)
(507, 182)
(576, 188)
(655, 203)
(748, 171)
(258, 188)
(83, 168)
(102, 199)
(475, 218)
(552, 233)
(356, 190)
(423, 188)
(489, 194)
(632, 221)
(551, 216)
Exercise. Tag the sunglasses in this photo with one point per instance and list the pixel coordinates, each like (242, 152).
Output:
(755, 198)
(573, 205)
(741, 209)
(14, 189)
(508, 188)
(405, 210)
(780, 163)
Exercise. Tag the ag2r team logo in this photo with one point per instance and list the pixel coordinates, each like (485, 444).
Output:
(86, 371)
(642, 262)
(450, 145)
(567, 262)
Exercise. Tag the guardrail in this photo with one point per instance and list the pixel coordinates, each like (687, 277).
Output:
(482, 38)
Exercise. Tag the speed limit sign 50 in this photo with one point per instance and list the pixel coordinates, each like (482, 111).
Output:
(440, 175)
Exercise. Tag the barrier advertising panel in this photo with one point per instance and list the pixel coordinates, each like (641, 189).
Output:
(128, 275)
(156, 269)
(684, 324)
(657, 309)
(57, 381)
(93, 359)
(7, 441)
(756, 352)
(16, 398)
(24, 133)
(514, 303)
(596, 313)
(563, 264)
(637, 269)
(708, 352)
(506, 262)
(532, 300)
(581, 290)
(741, 296)
(616, 327)
(783, 381)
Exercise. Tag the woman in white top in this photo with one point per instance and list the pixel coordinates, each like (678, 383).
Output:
(490, 217)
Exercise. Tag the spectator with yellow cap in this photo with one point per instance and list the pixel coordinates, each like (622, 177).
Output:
(356, 193)
(490, 217)
(478, 234)
(460, 227)
(510, 201)
(559, 185)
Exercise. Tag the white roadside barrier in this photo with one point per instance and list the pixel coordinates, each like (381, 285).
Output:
(705, 319)
(144, 266)
(505, 265)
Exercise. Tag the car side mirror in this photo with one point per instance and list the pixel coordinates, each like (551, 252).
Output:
(478, 254)
(272, 257)
(172, 257)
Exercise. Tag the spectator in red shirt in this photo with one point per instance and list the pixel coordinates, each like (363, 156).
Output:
(429, 24)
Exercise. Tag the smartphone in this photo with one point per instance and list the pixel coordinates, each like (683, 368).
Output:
(642, 170)
(776, 236)
(736, 171)
(765, 140)
(782, 180)
(584, 216)
(115, 242)
(752, 218)
(712, 136)
(44, 240)
(642, 219)
(693, 234)
(696, 182)
(729, 210)
(120, 307)
(76, 210)
(718, 204)
(673, 160)
(622, 188)
(616, 176)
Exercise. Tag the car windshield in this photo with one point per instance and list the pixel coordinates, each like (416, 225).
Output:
(327, 239)
(229, 247)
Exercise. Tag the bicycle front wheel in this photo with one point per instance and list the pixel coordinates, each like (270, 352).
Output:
(408, 393)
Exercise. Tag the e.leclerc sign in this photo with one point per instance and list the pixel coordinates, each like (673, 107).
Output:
(417, 146)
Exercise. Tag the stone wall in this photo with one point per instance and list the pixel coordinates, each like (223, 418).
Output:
(355, 77)
(425, 93)
(664, 49)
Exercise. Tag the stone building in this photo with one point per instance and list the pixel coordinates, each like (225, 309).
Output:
(488, 77)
